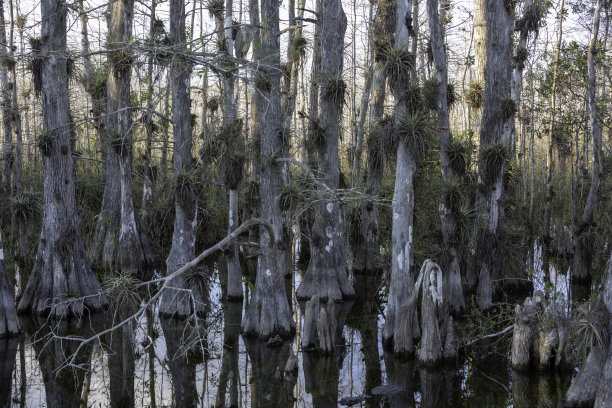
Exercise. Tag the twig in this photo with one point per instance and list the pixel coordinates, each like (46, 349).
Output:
(488, 336)
(166, 282)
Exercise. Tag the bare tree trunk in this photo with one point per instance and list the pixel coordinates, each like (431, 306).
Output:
(268, 313)
(8, 175)
(326, 274)
(493, 141)
(133, 253)
(61, 281)
(367, 250)
(550, 158)
(583, 249)
(453, 289)
(147, 183)
(402, 279)
(181, 303)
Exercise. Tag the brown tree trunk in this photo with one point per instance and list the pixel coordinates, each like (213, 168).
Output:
(61, 281)
(326, 274)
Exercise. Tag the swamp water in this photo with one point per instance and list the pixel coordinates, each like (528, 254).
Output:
(149, 364)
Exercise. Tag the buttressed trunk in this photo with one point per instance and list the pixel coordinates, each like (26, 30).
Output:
(452, 287)
(133, 253)
(268, 313)
(497, 112)
(61, 282)
(402, 280)
(181, 303)
(326, 274)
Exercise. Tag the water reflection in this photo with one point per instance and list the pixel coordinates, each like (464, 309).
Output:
(8, 353)
(63, 365)
(207, 363)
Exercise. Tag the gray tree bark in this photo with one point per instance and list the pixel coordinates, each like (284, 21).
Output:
(583, 249)
(180, 344)
(61, 281)
(8, 352)
(133, 253)
(452, 286)
(326, 274)
(9, 324)
(402, 279)
(8, 175)
(268, 313)
(493, 131)
(184, 300)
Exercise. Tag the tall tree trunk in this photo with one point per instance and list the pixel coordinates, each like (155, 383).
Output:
(148, 176)
(133, 253)
(493, 141)
(448, 213)
(268, 313)
(367, 249)
(8, 175)
(402, 279)
(550, 158)
(174, 302)
(583, 249)
(232, 157)
(61, 281)
(326, 275)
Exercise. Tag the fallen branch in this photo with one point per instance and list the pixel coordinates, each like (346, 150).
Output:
(166, 283)
(488, 336)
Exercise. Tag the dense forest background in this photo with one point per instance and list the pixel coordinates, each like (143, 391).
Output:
(454, 146)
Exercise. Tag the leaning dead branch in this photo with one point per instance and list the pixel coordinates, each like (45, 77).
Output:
(165, 284)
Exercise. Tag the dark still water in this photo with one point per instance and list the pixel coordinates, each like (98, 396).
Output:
(163, 363)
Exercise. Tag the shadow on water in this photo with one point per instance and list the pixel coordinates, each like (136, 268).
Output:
(206, 362)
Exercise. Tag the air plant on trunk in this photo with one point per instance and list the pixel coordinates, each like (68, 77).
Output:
(475, 95)
(398, 65)
(492, 157)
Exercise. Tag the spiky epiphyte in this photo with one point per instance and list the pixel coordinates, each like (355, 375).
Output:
(492, 158)
(533, 16)
(520, 56)
(215, 8)
(335, 89)
(430, 94)
(298, 50)
(415, 130)
(398, 64)
(25, 206)
(475, 95)
(507, 106)
(456, 152)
